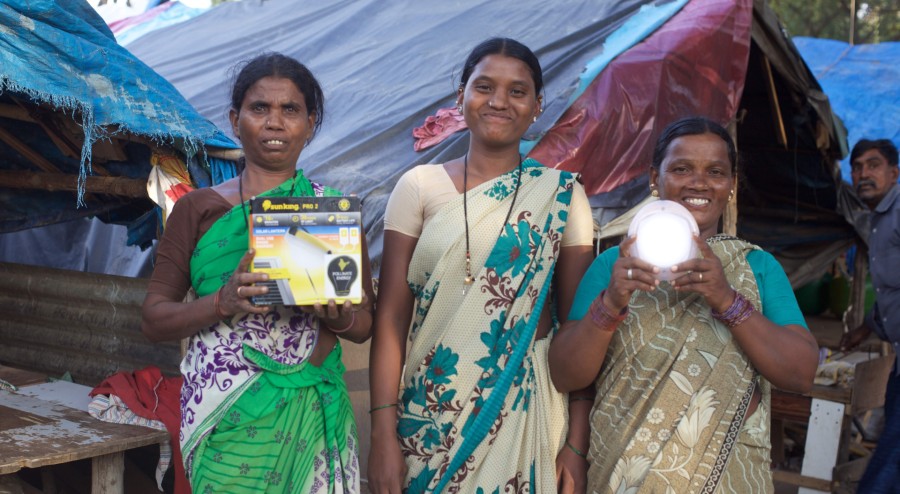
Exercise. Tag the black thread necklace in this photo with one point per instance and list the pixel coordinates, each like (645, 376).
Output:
(241, 194)
(468, 280)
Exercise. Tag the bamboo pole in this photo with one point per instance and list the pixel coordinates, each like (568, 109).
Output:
(52, 182)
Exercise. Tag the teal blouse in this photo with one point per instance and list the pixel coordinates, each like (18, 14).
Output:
(778, 301)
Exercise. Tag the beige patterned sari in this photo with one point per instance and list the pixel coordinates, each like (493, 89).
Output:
(673, 394)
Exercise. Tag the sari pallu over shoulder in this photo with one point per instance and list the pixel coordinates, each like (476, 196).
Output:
(214, 368)
(475, 379)
(673, 394)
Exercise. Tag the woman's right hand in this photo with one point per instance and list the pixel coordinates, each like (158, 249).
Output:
(387, 468)
(628, 274)
(235, 295)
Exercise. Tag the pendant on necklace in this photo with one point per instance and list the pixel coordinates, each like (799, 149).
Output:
(468, 280)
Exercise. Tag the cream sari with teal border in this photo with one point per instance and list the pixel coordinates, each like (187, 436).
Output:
(478, 412)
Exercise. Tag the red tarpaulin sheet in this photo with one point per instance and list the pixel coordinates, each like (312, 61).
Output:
(695, 64)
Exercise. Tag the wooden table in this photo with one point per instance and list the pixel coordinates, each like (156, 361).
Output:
(828, 411)
(35, 433)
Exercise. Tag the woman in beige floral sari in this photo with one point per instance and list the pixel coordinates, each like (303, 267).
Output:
(682, 395)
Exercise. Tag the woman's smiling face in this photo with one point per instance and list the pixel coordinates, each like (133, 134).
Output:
(499, 101)
(697, 173)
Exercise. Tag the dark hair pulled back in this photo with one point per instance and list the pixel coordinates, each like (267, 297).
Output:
(277, 65)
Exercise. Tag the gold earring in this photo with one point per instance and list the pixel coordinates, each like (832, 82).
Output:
(534, 119)
(459, 109)
(731, 195)
(654, 192)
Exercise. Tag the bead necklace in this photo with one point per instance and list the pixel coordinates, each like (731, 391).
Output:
(468, 280)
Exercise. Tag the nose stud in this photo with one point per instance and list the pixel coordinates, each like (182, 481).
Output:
(491, 104)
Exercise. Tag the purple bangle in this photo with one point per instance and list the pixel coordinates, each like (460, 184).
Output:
(739, 311)
(603, 317)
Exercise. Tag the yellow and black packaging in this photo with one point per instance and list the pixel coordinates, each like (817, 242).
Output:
(309, 246)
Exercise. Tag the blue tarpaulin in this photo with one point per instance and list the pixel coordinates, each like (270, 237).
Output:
(862, 83)
(61, 66)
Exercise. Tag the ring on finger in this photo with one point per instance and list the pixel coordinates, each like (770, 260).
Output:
(630, 273)
(239, 291)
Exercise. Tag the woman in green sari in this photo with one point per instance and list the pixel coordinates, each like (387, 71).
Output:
(264, 404)
(485, 251)
(684, 369)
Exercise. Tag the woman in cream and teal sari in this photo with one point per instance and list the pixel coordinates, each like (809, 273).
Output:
(264, 405)
(683, 369)
(481, 255)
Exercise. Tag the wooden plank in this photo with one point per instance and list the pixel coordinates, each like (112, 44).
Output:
(10, 419)
(71, 435)
(117, 186)
(21, 377)
(794, 478)
(774, 104)
(790, 406)
(25, 150)
(848, 474)
(869, 384)
(44, 118)
(108, 474)
(15, 112)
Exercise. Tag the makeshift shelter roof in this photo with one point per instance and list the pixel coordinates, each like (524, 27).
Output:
(616, 72)
(861, 83)
(80, 119)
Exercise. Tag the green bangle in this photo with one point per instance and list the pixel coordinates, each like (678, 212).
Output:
(575, 450)
(389, 405)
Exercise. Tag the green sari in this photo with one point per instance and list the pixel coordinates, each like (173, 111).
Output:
(257, 416)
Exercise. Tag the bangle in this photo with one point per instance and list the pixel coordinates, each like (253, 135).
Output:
(603, 317)
(739, 311)
(575, 450)
(344, 330)
(581, 398)
(218, 308)
(389, 405)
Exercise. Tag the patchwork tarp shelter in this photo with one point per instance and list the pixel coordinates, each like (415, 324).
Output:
(616, 73)
(861, 83)
(83, 124)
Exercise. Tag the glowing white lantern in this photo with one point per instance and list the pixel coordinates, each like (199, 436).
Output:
(665, 231)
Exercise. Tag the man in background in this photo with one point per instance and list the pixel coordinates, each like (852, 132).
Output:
(874, 170)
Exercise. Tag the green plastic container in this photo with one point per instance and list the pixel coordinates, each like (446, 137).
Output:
(813, 296)
(839, 295)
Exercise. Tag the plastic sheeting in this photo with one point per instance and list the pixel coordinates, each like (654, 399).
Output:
(168, 14)
(59, 61)
(384, 67)
(862, 83)
(694, 64)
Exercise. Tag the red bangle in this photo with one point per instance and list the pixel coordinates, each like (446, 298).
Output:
(344, 330)
(603, 317)
(216, 304)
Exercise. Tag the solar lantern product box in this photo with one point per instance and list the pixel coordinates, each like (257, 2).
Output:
(311, 248)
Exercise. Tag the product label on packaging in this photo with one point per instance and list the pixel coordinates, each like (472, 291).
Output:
(309, 246)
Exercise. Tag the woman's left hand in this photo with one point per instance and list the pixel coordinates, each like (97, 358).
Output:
(705, 276)
(571, 472)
